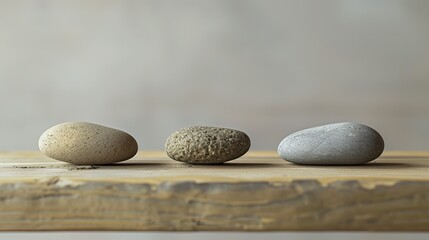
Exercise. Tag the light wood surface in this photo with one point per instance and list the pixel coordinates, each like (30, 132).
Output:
(257, 192)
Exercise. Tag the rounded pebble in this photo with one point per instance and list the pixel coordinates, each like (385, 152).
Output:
(206, 145)
(333, 144)
(84, 143)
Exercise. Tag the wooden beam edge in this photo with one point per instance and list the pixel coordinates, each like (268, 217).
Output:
(298, 205)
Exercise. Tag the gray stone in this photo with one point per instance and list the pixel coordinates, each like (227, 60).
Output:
(333, 144)
(206, 145)
(83, 143)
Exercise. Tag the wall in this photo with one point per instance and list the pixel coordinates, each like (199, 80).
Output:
(266, 67)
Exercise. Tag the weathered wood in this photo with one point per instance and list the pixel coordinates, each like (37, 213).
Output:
(257, 192)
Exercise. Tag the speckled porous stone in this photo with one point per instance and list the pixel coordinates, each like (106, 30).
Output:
(333, 144)
(83, 143)
(206, 145)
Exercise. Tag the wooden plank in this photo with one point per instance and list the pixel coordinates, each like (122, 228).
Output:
(257, 192)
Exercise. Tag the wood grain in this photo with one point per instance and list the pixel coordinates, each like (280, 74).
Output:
(258, 192)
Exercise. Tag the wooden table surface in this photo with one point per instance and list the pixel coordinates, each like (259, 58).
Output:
(258, 192)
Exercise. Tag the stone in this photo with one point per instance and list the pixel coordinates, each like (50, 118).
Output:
(334, 144)
(206, 145)
(84, 143)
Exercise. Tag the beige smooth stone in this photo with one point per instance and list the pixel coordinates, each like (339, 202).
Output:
(84, 143)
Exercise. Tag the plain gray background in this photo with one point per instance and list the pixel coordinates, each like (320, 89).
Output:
(268, 68)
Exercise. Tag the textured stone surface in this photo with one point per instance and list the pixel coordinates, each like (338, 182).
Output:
(85, 143)
(333, 144)
(206, 145)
